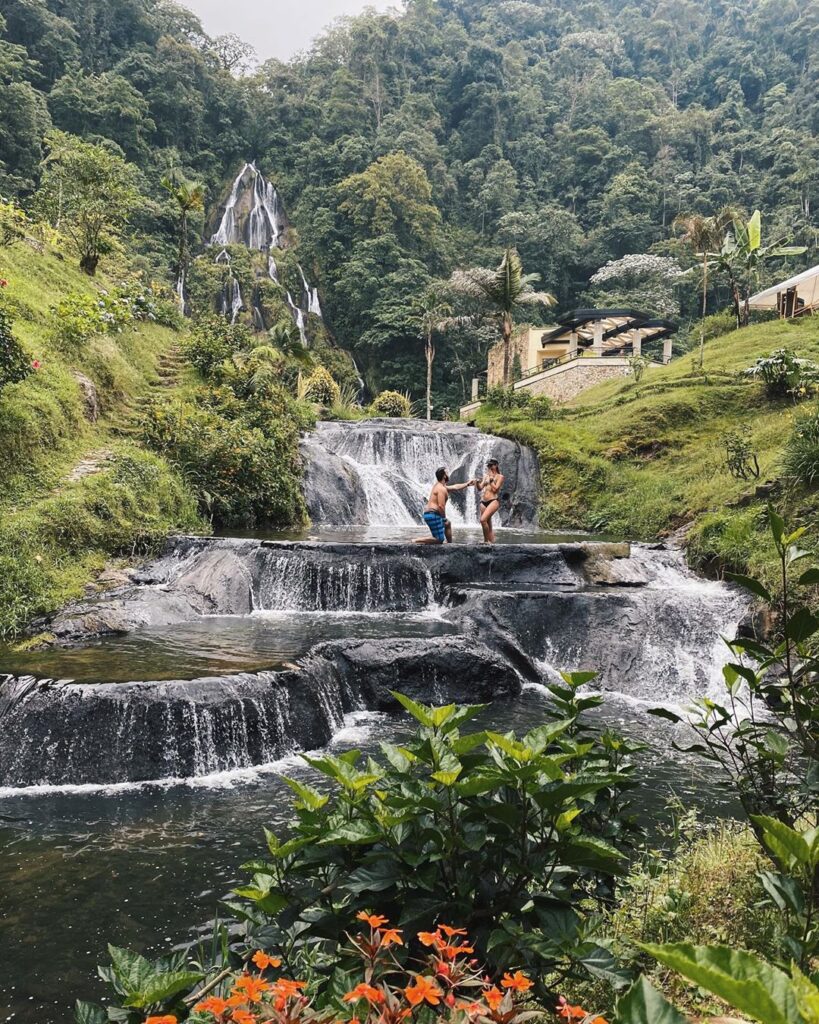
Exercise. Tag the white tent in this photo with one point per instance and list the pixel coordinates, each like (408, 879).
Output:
(797, 295)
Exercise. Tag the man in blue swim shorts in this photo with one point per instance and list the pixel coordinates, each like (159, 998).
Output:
(435, 509)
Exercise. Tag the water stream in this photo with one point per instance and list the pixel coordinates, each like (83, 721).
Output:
(129, 797)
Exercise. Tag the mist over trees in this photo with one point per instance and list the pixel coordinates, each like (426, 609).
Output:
(405, 146)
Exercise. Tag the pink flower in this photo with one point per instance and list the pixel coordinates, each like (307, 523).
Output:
(36, 364)
(3, 282)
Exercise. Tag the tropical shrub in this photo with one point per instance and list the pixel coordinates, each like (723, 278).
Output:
(14, 364)
(637, 367)
(506, 399)
(785, 375)
(80, 315)
(212, 340)
(541, 408)
(392, 404)
(740, 458)
(801, 460)
(148, 304)
(321, 388)
(372, 987)
(503, 835)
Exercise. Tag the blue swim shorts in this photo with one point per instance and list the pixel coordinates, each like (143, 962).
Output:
(436, 523)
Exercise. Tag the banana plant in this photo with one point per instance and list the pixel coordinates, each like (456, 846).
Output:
(743, 255)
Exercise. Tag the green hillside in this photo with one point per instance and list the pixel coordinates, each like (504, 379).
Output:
(74, 491)
(642, 460)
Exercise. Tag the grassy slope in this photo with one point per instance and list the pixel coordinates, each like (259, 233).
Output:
(55, 535)
(641, 460)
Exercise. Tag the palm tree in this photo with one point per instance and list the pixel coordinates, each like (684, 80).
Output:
(704, 235)
(285, 336)
(741, 257)
(502, 292)
(433, 314)
(189, 196)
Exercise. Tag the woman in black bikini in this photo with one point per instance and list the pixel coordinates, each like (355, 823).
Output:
(490, 487)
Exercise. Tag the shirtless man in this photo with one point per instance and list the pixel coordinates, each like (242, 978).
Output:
(490, 486)
(435, 509)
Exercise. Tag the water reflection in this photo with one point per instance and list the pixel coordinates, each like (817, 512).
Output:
(213, 645)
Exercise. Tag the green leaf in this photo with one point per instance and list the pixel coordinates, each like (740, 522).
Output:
(447, 778)
(397, 757)
(807, 995)
(783, 890)
(602, 963)
(89, 1013)
(576, 679)
(418, 711)
(787, 845)
(162, 987)
(754, 229)
(643, 1004)
(801, 625)
(352, 833)
(777, 525)
(131, 969)
(749, 583)
(441, 715)
(750, 985)
(308, 797)
(665, 713)
(810, 576)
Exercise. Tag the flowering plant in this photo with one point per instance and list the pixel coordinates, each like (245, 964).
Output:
(445, 977)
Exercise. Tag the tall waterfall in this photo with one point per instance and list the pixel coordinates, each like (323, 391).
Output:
(379, 472)
(254, 213)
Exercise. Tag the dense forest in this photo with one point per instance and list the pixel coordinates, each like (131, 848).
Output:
(407, 144)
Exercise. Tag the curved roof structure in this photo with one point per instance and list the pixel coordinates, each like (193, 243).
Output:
(618, 327)
(805, 285)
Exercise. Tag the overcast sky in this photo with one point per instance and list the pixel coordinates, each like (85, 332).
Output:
(276, 28)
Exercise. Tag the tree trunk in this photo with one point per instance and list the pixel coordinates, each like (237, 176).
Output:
(507, 349)
(430, 353)
(704, 306)
(88, 264)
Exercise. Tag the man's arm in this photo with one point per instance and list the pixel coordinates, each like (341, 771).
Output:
(459, 487)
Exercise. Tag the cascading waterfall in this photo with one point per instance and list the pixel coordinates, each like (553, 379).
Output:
(272, 269)
(231, 303)
(298, 316)
(291, 582)
(254, 214)
(392, 465)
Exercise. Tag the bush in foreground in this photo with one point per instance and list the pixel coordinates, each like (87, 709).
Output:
(392, 404)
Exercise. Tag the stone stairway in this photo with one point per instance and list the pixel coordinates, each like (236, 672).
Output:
(168, 371)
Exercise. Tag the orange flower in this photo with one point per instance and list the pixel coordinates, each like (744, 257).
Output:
(424, 989)
(251, 989)
(243, 1017)
(285, 988)
(391, 937)
(262, 960)
(364, 991)
(373, 920)
(450, 932)
(469, 1008)
(493, 997)
(569, 1012)
(517, 981)
(429, 938)
(450, 952)
(168, 1018)
(213, 1005)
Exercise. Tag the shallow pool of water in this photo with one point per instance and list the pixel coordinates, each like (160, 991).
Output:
(214, 645)
(143, 866)
(471, 534)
